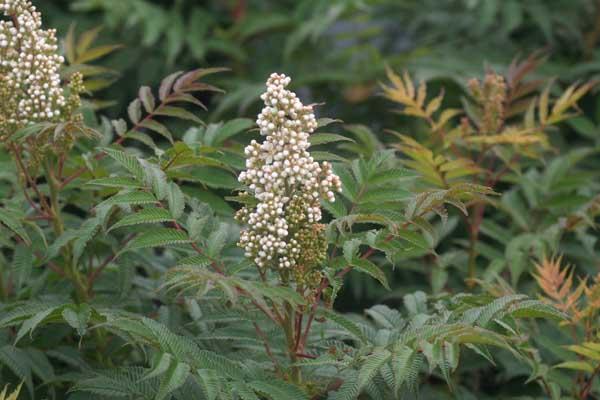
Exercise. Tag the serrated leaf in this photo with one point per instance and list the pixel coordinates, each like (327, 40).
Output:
(142, 138)
(327, 156)
(160, 366)
(336, 208)
(31, 323)
(281, 294)
(189, 78)
(30, 130)
(321, 122)
(151, 215)
(209, 382)
(276, 390)
(401, 362)
(134, 110)
(394, 175)
(323, 138)
(349, 186)
(131, 198)
(372, 365)
(174, 378)
(120, 126)
(231, 128)
(366, 266)
(86, 232)
(157, 238)
(130, 162)
(147, 98)
(535, 309)
(167, 85)
(176, 200)
(155, 178)
(350, 249)
(77, 316)
(576, 365)
(543, 105)
(383, 195)
(585, 351)
(217, 240)
(97, 52)
(215, 178)
(158, 128)
(414, 238)
(9, 219)
(350, 326)
(115, 182)
(243, 391)
(348, 390)
(197, 260)
(177, 112)
(16, 360)
(22, 264)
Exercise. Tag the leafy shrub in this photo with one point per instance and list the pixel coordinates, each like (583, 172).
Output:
(155, 256)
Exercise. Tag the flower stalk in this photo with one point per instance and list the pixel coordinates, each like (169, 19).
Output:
(285, 186)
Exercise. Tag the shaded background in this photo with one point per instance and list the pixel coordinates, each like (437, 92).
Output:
(334, 50)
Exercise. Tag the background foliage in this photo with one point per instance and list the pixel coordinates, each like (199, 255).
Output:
(431, 258)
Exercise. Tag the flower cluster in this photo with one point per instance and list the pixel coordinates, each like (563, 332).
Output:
(491, 96)
(30, 85)
(288, 184)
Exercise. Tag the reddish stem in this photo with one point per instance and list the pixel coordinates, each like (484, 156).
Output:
(94, 275)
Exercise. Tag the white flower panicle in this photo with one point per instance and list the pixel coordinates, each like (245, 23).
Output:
(30, 86)
(285, 180)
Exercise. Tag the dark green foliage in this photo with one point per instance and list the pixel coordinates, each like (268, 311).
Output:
(462, 252)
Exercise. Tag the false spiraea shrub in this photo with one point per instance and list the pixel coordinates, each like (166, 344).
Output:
(140, 261)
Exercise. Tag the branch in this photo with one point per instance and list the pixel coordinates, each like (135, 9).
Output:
(265, 340)
(94, 275)
(29, 180)
(273, 317)
(177, 91)
(120, 140)
(585, 391)
(82, 170)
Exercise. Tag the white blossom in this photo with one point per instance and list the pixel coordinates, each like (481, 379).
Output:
(283, 177)
(30, 85)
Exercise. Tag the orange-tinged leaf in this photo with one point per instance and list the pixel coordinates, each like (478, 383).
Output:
(421, 94)
(414, 111)
(530, 115)
(87, 38)
(446, 116)
(585, 351)
(514, 137)
(96, 53)
(434, 104)
(543, 105)
(571, 96)
(557, 282)
(576, 365)
(70, 44)
(563, 102)
(410, 88)
(177, 112)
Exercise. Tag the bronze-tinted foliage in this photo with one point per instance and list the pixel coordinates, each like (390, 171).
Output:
(556, 282)
(4, 395)
(504, 120)
(581, 303)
